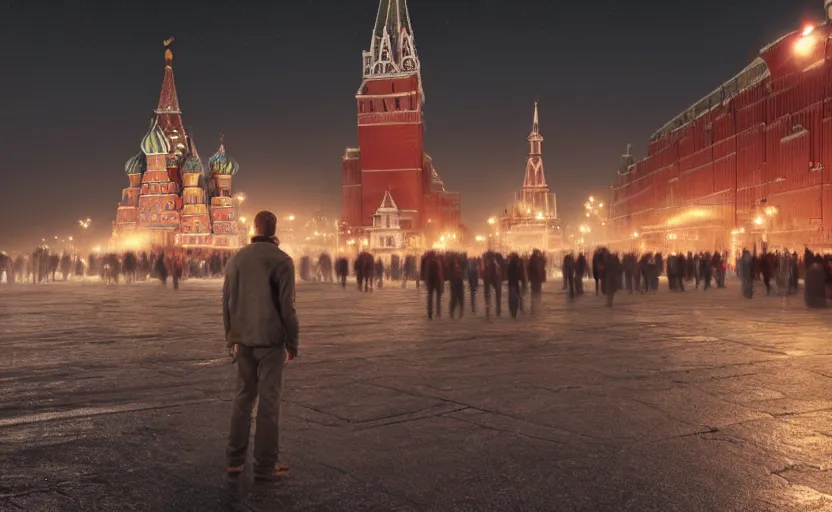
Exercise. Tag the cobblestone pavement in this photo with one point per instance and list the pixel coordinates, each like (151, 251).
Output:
(117, 398)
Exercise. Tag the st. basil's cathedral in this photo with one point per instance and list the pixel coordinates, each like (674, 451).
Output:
(172, 198)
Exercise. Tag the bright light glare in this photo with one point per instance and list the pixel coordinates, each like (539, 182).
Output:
(805, 45)
(808, 30)
(758, 221)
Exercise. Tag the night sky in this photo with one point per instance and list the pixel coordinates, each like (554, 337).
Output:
(81, 80)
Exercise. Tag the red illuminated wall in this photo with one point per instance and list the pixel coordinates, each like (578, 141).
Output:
(770, 141)
(443, 210)
(390, 138)
(351, 189)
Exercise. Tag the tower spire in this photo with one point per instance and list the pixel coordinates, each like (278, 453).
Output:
(536, 121)
(168, 99)
(535, 178)
(392, 48)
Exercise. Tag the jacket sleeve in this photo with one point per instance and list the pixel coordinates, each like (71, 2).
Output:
(229, 288)
(285, 277)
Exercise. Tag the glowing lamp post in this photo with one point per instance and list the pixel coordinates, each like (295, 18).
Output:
(492, 222)
(85, 224)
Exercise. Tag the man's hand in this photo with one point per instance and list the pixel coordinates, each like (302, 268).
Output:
(291, 353)
(232, 352)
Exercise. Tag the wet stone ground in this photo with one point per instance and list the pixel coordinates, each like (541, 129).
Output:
(117, 398)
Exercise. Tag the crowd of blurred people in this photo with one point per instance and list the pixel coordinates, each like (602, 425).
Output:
(523, 274)
(44, 265)
(455, 271)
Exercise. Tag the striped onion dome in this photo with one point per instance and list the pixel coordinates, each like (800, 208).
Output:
(136, 164)
(223, 163)
(155, 142)
(193, 164)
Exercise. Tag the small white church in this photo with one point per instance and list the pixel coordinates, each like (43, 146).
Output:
(386, 234)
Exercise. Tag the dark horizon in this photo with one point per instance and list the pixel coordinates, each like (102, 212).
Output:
(280, 84)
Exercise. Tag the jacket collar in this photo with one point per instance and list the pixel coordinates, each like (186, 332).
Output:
(265, 239)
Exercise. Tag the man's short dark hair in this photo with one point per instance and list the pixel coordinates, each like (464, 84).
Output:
(265, 223)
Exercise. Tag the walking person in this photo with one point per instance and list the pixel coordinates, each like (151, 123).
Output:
(474, 265)
(492, 278)
(456, 264)
(537, 276)
(261, 331)
(433, 276)
(516, 282)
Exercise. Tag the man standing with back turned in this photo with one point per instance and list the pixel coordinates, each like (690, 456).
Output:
(261, 331)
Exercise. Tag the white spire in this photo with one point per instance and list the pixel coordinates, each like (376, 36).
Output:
(535, 177)
(392, 48)
(536, 122)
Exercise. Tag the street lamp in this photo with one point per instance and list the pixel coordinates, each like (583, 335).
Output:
(85, 224)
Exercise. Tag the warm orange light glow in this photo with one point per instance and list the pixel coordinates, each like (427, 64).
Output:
(805, 45)
(808, 30)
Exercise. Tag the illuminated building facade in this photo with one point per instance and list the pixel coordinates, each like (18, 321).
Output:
(386, 233)
(531, 221)
(749, 163)
(171, 200)
(391, 155)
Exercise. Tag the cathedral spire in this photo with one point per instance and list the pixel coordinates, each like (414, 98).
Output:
(168, 99)
(535, 178)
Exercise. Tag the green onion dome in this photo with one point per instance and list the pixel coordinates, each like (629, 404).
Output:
(193, 164)
(155, 142)
(223, 163)
(136, 164)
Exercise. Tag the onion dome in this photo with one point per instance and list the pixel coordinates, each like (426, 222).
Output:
(193, 164)
(222, 162)
(155, 142)
(136, 164)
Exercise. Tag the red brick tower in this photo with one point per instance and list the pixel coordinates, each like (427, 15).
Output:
(389, 125)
